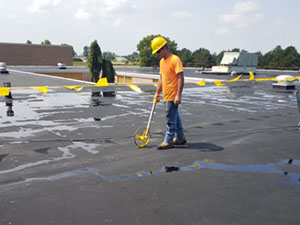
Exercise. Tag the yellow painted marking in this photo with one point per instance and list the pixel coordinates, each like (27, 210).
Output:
(218, 83)
(266, 79)
(197, 164)
(42, 89)
(4, 91)
(251, 75)
(235, 79)
(76, 88)
(201, 83)
(135, 88)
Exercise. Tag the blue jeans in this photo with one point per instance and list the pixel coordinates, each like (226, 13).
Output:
(174, 125)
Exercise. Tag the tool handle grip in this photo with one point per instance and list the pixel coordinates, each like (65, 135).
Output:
(156, 100)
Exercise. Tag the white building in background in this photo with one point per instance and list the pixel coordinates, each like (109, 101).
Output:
(240, 62)
(121, 59)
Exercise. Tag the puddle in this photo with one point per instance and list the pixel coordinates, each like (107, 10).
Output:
(269, 168)
(170, 169)
(62, 113)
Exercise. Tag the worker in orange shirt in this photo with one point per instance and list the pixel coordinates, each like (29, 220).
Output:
(171, 83)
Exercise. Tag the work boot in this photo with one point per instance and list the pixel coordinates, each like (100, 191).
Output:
(179, 141)
(165, 145)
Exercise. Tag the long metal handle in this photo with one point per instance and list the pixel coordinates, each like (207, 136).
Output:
(151, 116)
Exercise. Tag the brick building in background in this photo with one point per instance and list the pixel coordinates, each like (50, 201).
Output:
(33, 54)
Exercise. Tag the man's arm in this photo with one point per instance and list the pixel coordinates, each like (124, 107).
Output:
(180, 88)
(158, 90)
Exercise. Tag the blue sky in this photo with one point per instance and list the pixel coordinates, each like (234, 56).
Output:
(118, 25)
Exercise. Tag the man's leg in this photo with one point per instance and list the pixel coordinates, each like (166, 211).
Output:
(171, 116)
(179, 136)
(179, 128)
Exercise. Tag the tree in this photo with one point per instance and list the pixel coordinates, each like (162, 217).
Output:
(46, 42)
(133, 57)
(28, 42)
(235, 50)
(108, 71)
(145, 52)
(86, 51)
(219, 57)
(272, 58)
(95, 61)
(202, 58)
(291, 58)
(260, 59)
(280, 58)
(109, 55)
(186, 57)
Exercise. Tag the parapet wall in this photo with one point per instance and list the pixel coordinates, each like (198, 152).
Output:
(31, 54)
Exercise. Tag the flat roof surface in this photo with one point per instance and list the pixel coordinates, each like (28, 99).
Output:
(68, 157)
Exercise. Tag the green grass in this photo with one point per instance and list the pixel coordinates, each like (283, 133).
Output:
(76, 63)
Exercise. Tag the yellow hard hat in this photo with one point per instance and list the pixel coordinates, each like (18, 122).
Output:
(157, 43)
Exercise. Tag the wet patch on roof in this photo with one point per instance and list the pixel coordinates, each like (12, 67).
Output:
(67, 112)
(170, 169)
(42, 150)
(218, 124)
(68, 152)
(2, 156)
(268, 168)
(226, 97)
(253, 119)
(62, 113)
(203, 147)
(278, 168)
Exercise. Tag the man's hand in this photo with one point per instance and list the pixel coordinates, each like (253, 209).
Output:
(177, 100)
(156, 97)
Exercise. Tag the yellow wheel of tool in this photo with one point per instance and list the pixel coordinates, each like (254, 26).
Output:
(140, 137)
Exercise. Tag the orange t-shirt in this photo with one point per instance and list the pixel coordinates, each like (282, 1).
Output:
(169, 68)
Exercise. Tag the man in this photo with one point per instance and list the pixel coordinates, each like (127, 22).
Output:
(171, 83)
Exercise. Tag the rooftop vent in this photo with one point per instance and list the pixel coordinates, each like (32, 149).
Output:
(285, 82)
